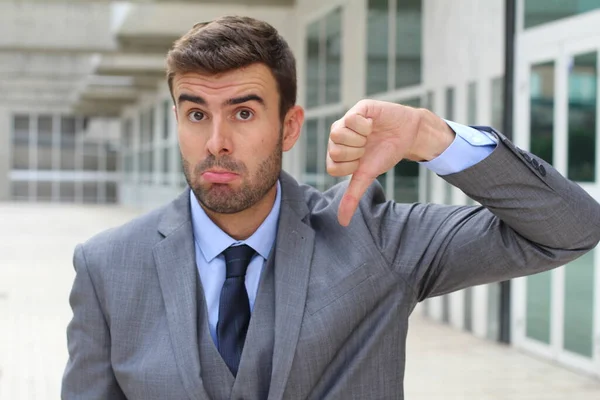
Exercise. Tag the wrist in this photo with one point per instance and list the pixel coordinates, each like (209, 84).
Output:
(434, 136)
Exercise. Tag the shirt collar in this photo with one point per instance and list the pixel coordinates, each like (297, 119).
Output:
(212, 240)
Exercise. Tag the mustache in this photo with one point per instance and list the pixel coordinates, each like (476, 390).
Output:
(224, 162)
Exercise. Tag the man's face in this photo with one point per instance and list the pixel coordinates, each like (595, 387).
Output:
(231, 136)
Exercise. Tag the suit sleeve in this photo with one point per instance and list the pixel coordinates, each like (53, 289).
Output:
(532, 219)
(88, 374)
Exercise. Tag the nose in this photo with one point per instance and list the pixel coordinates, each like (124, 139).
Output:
(219, 142)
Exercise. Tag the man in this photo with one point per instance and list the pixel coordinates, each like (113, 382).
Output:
(253, 286)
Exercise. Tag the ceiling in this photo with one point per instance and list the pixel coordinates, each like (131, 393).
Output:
(94, 57)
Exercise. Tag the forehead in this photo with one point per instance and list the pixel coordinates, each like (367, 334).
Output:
(256, 78)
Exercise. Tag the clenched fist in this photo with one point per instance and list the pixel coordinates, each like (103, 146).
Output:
(373, 137)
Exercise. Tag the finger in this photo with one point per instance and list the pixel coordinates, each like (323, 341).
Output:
(356, 189)
(347, 137)
(341, 153)
(358, 123)
(339, 169)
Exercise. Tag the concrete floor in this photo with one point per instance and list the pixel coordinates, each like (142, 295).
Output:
(36, 244)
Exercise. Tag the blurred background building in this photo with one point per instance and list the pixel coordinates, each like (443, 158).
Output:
(85, 115)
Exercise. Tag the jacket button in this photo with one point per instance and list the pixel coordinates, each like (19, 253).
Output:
(535, 163)
(526, 157)
(542, 170)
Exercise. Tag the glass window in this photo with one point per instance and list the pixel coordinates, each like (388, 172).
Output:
(429, 182)
(468, 309)
(429, 100)
(127, 138)
(313, 79)
(166, 165)
(498, 104)
(382, 181)
(408, 43)
(67, 192)
(542, 111)
(539, 12)
(90, 157)
(20, 190)
(405, 55)
(21, 127)
(377, 46)
(128, 164)
(449, 115)
(406, 182)
(44, 145)
(151, 125)
(333, 56)
(582, 118)
(150, 161)
(312, 151)
(143, 128)
(67, 157)
(20, 152)
(538, 307)
(44, 130)
(67, 126)
(111, 192)
(111, 159)
(323, 58)
(447, 193)
(90, 192)
(327, 179)
(68, 130)
(578, 327)
(44, 191)
(406, 173)
(167, 110)
(44, 157)
(472, 104)
(146, 127)
(493, 307)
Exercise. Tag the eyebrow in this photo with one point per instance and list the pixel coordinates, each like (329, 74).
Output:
(244, 99)
(191, 98)
(230, 102)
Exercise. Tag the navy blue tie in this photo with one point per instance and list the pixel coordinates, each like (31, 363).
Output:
(234, 307)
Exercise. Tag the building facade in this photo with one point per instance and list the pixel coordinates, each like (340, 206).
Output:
(446, 56)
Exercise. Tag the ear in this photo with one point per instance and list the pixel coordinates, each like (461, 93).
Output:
(292, 126)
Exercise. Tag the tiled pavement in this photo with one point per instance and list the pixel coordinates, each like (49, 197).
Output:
(36, 244)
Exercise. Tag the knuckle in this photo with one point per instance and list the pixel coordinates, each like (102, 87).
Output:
(336, 153)
(335, 135)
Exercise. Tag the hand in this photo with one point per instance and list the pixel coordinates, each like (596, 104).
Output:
(373, 137)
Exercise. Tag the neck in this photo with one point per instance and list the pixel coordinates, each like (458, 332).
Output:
(243, 224)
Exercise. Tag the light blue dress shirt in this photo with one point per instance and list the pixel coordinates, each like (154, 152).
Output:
(469, 147)
(210, 242)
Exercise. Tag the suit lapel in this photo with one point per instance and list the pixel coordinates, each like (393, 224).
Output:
(176, 266)
(293, 255)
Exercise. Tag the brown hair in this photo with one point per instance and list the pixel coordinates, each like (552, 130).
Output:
(230, 43)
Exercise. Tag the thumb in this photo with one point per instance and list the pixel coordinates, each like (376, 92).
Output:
(356, 189)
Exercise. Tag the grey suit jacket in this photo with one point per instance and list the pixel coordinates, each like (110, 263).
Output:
(337, 314)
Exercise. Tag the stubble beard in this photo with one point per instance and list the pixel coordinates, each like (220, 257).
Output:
(223, 199)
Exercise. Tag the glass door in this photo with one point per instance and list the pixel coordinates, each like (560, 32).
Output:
(556, 314)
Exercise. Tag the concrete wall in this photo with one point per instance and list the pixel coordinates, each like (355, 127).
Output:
(464, 40)
(47, 26)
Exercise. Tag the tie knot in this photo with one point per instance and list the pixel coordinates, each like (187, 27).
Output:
(237, 259)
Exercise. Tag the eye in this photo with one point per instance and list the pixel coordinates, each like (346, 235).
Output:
(244, 114)
(196, 116)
